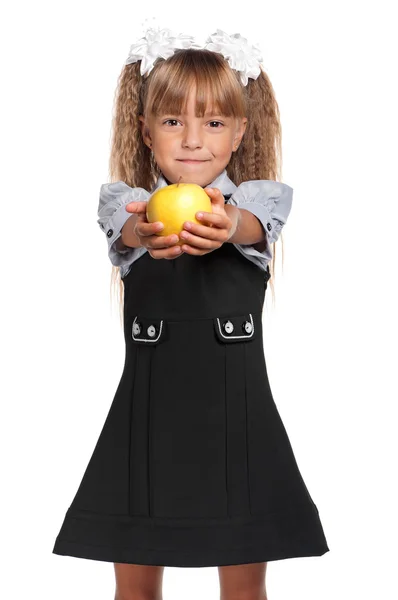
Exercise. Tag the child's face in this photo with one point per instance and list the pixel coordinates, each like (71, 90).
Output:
(209, 140)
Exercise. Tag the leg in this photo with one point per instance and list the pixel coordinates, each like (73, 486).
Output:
(243, 582)
(138, 582)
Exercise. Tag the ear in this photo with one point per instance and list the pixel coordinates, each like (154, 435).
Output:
(240, 130)
(146, 136)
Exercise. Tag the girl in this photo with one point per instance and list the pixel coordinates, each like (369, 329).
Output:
(193, 466)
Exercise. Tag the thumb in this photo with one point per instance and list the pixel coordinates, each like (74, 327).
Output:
(216, 196)
(136, 207)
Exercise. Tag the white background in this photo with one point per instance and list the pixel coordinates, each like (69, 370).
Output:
(330, 340)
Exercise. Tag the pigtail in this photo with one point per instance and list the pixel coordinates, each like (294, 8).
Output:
(259, 155)
(130, 158)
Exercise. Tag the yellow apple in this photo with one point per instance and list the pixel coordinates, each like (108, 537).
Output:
(176, 203)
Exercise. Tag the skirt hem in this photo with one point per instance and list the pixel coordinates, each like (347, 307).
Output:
(237, 540)
(178, 558)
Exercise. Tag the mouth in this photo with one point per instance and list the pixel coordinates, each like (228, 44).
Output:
(190, 161)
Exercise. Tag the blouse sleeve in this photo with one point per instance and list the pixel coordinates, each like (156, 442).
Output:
(271, 202)
(112, 215)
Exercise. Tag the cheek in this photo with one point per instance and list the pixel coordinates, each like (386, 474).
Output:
(223, 152)
(165, 146)
(223, 146)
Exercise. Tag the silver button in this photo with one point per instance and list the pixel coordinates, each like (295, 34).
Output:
(151, 331)
(136, 329)
(248, 327)
(228, 327)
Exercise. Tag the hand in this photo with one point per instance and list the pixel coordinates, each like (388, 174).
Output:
(217, 227)
(158, 246)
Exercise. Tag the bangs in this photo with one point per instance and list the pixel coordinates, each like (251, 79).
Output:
(217, 88)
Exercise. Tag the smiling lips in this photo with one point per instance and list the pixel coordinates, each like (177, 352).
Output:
(190, 161)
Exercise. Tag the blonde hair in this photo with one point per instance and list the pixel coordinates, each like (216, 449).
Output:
(259, 154)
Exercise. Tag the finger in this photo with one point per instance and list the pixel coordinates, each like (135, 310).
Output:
(142, 227)
(203, 231)
(213, 218)
(160, 241)
(136, 207)
(168, 253)
(202, 242)
(187, 249)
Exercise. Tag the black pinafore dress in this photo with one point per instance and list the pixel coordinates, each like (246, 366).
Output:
(193, 466)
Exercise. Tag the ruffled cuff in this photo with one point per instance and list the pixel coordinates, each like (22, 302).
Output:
(112, 215)
(270, 201)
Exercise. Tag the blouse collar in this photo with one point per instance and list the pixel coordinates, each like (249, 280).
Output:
(222, 182)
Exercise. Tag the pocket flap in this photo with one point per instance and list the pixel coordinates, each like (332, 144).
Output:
(239, 328)
(148, 331)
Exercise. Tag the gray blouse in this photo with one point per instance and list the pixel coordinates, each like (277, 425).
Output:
(270, 201)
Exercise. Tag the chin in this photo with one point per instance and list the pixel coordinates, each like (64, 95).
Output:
(186, 178)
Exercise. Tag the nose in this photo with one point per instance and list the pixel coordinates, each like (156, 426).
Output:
(192, 136)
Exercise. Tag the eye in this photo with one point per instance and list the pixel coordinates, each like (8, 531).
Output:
(219, 123)
(168, 121)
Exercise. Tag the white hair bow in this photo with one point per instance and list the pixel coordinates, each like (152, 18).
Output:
(157, 42)
(241, 56)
